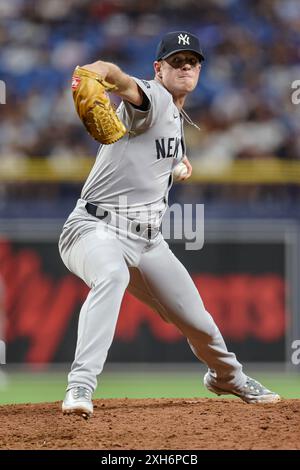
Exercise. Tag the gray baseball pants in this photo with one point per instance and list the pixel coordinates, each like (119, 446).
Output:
(109, 264)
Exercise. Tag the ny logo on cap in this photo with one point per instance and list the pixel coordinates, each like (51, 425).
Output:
(185, 39)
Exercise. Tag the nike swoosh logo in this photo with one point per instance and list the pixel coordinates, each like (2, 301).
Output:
(175, 116)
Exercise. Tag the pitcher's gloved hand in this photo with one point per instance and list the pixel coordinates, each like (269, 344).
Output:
(94, 107)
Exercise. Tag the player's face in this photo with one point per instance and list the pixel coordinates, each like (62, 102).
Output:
(180, 72)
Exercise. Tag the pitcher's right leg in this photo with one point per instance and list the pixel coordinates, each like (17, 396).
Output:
(171, 291)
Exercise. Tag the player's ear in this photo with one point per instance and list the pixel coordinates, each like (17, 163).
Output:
(157, 68)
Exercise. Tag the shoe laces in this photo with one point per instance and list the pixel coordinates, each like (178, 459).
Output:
(81, 392)
(255, 387)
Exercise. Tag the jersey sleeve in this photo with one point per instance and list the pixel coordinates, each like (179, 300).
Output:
(137, 120)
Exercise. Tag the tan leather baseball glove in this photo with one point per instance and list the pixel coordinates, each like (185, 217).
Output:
(94, 107)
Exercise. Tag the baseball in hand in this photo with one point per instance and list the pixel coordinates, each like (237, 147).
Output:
(180, 171)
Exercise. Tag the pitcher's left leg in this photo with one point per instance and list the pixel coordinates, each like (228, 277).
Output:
(172, 288)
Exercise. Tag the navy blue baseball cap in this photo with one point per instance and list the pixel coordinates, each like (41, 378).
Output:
(178, 41)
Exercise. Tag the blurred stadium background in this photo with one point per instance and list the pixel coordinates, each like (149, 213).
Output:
(246, 172)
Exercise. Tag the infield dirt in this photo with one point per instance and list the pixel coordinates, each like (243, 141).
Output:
(154, 424)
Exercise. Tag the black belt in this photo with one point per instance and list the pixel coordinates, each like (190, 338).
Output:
(144, 230)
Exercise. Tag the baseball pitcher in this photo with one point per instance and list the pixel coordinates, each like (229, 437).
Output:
(112, 240)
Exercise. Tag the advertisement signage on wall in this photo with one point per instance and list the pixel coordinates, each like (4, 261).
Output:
(243, 286)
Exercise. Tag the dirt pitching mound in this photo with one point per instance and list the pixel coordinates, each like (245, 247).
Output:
(154, 424)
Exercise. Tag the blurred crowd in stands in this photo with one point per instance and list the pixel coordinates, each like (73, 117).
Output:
(242, 104)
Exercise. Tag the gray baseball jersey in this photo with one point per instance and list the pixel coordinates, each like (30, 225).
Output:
(134, 174)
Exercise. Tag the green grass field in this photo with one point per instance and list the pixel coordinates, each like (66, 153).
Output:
(21, 387)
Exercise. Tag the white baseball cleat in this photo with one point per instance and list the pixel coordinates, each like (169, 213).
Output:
(251, 392)
(78, 400)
